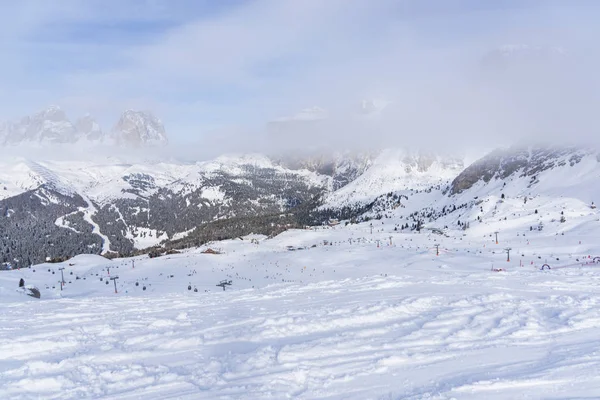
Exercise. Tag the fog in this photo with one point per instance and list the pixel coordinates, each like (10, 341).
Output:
(454, 75)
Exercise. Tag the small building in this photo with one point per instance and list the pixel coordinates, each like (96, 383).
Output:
(210, 251)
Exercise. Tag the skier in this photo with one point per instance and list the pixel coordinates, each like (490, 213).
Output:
(21, 282)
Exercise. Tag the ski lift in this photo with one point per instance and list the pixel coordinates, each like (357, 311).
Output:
(224, 283)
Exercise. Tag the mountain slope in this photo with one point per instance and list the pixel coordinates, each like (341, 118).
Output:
(131, 206)
(137, 128)
(396, 170)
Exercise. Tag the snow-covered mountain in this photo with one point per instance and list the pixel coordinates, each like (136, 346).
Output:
(517, 188)
(396, 170)
(112, 204)
(342, 168)
(138, 128)
(52, 127)
(517, 162)
(133, 206)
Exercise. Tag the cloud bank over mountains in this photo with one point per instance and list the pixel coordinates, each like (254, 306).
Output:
(453, 73)
(51, 126)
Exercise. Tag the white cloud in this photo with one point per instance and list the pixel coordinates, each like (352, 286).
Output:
(237, 68)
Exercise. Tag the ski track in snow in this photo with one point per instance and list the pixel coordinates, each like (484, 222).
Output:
(87, 216)
(370, 338)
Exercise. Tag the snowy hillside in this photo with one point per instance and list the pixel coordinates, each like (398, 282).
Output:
(136, 206)
(396, 170)
(529, 187)
(338, 313)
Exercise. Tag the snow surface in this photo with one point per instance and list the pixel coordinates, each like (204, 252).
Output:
(87, 216)
(349, 319)
(146, 237)
(394, 170)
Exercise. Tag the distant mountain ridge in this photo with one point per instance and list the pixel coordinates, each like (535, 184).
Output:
(516, 162)
(63, 208)
(52, 126)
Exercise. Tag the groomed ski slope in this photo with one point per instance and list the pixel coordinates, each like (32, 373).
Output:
(349, 320)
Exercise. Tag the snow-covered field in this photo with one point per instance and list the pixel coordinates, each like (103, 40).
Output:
(343, 320)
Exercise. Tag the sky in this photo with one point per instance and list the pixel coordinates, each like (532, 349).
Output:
(216, 72)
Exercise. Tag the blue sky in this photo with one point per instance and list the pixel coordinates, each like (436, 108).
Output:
(203, 65)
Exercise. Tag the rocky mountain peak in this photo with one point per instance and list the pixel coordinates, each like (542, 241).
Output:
(52, 126)
(51, 113)
(49, 125)
(138, 128)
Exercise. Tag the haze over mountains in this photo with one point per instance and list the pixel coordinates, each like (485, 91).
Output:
(51, 208)
(52, 126)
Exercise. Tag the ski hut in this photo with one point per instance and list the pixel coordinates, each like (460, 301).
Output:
(210, 251)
